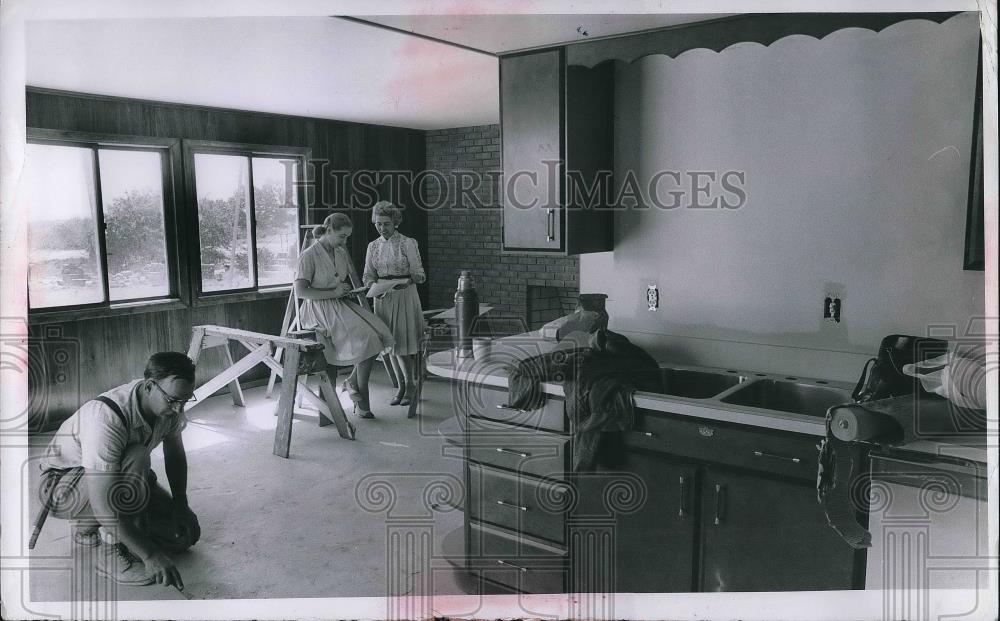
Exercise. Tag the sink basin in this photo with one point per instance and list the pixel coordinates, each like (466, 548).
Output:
(788, 397)
(696, 384)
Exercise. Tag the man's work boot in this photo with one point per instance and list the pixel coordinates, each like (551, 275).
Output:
(86, 535)
(117, 562)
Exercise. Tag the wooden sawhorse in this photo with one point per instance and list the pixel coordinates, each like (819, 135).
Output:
(302, 358)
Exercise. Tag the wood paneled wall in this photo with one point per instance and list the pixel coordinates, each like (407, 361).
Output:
(74, 361)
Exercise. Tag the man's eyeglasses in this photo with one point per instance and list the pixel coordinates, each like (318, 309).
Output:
(171, 400)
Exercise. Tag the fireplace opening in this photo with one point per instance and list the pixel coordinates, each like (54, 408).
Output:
(548, 302)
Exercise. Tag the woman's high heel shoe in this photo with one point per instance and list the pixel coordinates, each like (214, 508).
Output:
(351, 391)
(407, 396)
(363, 413)
(397, 399)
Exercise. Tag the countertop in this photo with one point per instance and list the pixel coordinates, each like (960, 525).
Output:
(492, 370)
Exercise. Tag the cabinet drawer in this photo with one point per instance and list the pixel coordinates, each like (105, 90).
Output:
(515, 562)
(523, 450)
(491, 403)
(525, 505)
(777, 452)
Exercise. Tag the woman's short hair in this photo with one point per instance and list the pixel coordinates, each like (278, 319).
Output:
(164, 364)
(385, 208)
(333, 222)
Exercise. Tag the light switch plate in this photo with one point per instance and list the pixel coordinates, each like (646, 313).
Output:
(652, 297)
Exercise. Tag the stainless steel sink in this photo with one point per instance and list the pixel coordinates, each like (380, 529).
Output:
(697, 384)
(786, 396)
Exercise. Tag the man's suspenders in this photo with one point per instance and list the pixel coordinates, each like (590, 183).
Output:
(115, 408)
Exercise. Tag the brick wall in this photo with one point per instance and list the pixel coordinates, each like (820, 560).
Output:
(464, 228)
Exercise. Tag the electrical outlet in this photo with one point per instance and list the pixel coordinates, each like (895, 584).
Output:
(652, 297)
(834, 294)
(832, 308)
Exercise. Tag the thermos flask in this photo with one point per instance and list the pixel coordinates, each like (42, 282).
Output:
(466, 311)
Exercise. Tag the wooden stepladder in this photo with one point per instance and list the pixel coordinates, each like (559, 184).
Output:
(303, 359)
(290, 321)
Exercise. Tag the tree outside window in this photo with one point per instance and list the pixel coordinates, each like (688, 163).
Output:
(96, 225)
(248, 230)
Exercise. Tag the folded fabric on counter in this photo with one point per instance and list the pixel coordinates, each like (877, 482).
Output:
(854, 429)
(599, 375)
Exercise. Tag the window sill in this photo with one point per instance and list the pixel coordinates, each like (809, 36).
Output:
(135, 308)
(243, 296)
(115, 310)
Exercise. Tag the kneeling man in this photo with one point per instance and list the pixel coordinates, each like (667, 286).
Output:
(96, 472)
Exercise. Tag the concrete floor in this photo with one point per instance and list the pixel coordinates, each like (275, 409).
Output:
(315, 525)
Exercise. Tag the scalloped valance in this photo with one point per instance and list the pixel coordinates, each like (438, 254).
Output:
(718, 35)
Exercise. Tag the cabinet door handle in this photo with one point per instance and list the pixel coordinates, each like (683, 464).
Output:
(518, 567)
(720, 503)
(504, 503)
(682, 509)
(551, 225)
(794, 460)
(508, 451)
(504, 406)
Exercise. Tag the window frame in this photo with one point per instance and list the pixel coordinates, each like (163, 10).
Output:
(170, 157)
(192, 147)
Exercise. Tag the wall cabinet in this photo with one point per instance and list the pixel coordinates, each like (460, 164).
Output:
(556, 128)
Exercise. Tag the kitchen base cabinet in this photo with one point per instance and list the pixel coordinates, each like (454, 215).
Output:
(928, 523)
(515, 561)
(764, 534)
(516, 463)
(652, 544)
(681, 504)
(522, 504)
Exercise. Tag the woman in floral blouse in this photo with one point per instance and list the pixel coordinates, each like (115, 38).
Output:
(396, 256)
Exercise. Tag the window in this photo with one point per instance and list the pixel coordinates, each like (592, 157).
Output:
(97, 221)
(248, 215)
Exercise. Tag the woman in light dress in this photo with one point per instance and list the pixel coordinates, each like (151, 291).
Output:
(395, 256)
(350, 334)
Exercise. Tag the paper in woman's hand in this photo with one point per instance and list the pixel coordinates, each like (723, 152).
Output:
(384, 286)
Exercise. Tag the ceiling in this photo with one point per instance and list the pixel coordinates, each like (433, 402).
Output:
(297, 58)
(316, 66)
(306, 66)
(506, 33)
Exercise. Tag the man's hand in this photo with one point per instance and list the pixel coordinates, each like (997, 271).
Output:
(184, 515)
(162, 569)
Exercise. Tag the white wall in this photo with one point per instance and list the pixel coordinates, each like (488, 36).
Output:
(856, 154)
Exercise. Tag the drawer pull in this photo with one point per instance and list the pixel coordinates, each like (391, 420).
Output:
(682, 509)
(504, 503)
(501, 449)
(720, 500)
(794, 460)
(504, 406)
(502, 562)
(649, 434)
